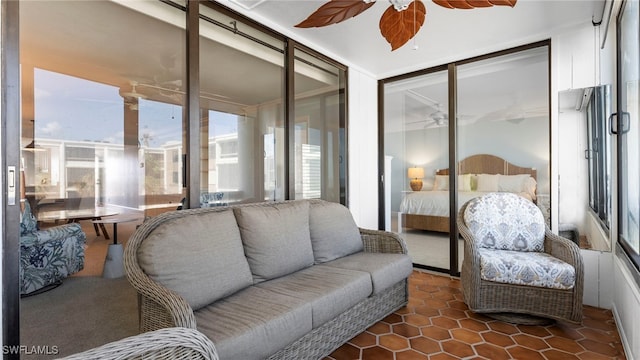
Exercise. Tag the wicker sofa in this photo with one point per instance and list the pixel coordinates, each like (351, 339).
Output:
(173, 343)
(285, 280)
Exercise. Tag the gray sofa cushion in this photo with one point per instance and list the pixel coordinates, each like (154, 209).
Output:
(385, 269)
(334, 233)
(275, 238)
(184, 254)
(254, 323)
(330, 290)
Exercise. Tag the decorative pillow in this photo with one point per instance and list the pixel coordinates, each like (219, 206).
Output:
(512, 183)
(334, 233)
(276, 238)
(464, 182)
(474, 182)
(487, 183)
(506, 221)
(441, 182)
(198, 256)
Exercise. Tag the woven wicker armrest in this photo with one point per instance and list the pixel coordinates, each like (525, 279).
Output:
(168, 343)
(176, 306)
(382, 242)
(563, 249)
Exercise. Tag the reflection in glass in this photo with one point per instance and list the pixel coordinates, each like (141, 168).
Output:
(102, 119)
(242, 122)
(416, 145)
(319, 129)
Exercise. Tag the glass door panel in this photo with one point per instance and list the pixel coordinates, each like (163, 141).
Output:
(98, 118)
(628, 130)
(503, 127)
(416, 150)
(319, 129)
(242, 122)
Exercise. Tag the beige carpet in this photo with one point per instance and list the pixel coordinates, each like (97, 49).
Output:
(82, 313)
(86, 310)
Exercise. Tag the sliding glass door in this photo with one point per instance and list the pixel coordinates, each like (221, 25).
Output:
(490, 115)
(242, 122)
(628, 130)
(102, 120)
(416, 150)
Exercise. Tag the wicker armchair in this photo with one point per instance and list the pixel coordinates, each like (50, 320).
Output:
(168, 343)
(515, 269)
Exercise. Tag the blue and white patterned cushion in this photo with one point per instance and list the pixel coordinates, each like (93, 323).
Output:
(506, 221)
(526, 268)
(48, 255)
(28, 222)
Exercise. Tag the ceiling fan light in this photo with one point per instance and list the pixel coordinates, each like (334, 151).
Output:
(400, 5)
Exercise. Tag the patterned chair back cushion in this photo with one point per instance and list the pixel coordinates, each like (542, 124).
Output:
(505, 221)
(28, 222)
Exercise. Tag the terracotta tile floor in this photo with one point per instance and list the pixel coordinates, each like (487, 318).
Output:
(436, 324)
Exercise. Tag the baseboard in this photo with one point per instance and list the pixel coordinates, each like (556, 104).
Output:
(623, 337)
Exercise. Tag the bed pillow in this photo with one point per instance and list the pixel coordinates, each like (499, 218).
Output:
(474, 182)
(464, 182)
(487, 182)
(512, 183)
(441, 182)
(530, 185)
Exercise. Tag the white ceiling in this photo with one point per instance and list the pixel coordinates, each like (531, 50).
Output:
(447, 35)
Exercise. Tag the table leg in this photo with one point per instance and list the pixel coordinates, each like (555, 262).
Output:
(104, 230)
(95, 227)
(115, 233)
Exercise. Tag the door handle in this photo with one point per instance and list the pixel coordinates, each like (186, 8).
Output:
(11, 185)
(625, 117)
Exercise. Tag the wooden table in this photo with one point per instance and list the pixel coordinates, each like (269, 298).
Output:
(80, 214)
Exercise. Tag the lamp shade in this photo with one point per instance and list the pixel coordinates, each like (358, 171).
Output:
(415, 173)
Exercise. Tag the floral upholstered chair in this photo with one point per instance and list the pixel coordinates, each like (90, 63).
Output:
(514, 268)
(50, 255)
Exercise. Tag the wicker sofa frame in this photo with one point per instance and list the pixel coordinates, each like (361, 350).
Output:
(519, 303)
(160, 307)
(169, 343)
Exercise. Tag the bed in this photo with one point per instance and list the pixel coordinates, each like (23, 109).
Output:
(478, 175)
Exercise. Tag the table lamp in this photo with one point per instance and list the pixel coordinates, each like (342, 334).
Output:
(416, 174)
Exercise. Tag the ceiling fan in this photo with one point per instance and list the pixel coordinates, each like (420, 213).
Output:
(132, 97)
(399, 23)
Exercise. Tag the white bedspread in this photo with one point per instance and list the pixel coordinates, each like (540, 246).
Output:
(436, 203)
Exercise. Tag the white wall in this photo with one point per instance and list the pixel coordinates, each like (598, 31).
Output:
(363, 148)
(626, 302)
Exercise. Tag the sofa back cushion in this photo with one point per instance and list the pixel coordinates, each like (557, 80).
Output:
(275, 238)
(334, 233)
(199, 256)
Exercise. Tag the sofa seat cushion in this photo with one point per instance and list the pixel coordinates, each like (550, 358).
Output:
(330, 291)
(526, 268)
(184, 254)
(334, 233)
(385, 269)
(254, 323)
(275, 237)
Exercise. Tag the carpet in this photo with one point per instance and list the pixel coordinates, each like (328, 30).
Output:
(82, 313)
